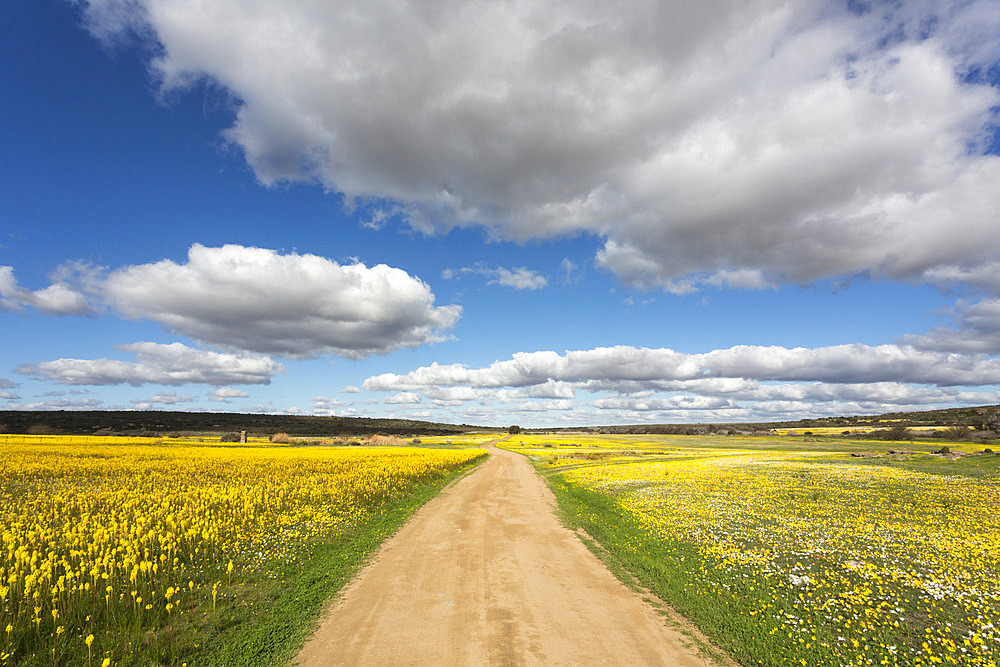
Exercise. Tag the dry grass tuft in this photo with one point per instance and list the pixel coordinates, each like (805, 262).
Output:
(385, 441)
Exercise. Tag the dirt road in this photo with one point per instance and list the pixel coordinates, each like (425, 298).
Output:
(485, 574)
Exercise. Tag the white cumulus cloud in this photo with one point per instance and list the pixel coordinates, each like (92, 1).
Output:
(158, 363)
(163, 398)
(299, 306)
(626, 368)
(739, 144)
(402, 398)
(56, 299)
(224, 394)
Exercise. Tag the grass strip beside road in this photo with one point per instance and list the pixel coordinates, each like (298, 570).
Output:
(286, 610)
(675, 572)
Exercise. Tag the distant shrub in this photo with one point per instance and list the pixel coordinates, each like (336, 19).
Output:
(415, 441)
(993, 423)
(897, 432)
(281, 439)
(229, 437)
(956, 433)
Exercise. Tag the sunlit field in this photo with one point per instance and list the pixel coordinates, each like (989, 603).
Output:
(792, 551)
(164, 554)
(18, 439)
(459, 440)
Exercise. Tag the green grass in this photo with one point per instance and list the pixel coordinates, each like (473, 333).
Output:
(752, 609)
(676, 573)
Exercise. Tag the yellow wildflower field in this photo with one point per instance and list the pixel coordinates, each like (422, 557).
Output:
(826, 559)
(119, 541)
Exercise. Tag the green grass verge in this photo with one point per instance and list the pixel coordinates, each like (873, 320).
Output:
(725, 608)
(289, 608)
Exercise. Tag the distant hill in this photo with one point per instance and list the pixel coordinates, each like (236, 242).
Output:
(103, 422)
(974, 417)
(159, 422)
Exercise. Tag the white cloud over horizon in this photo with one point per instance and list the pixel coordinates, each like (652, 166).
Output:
(61, 404)
(738, 145)
(627, 368)
(749, 383)
(158, 363)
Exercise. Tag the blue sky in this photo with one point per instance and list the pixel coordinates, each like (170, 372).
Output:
(548, 214)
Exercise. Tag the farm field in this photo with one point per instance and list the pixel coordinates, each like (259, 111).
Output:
(190, 552)
(792, 551)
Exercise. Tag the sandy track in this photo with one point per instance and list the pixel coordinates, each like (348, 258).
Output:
(485, 574)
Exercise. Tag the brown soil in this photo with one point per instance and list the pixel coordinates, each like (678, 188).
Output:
(485, 574)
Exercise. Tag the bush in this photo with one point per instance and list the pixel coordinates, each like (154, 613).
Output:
(230, 437)
(281, 439)
(993, 423)
(956, 433)
(897, 432)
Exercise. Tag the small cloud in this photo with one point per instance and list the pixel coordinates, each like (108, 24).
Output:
(350, 389)
(323, 405)
(56, 299)
(402, 398)
(9, 396)
(570, 277)
(164, 398)
(60, 404)
(223, 394)
(520, 278)
(157, 363)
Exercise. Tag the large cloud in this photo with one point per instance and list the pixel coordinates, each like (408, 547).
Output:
(734, 143)
(631, 369)
(294, 305)
(157, 363)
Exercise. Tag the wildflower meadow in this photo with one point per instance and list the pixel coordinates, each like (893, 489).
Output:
(796, 552)
(176, 553)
